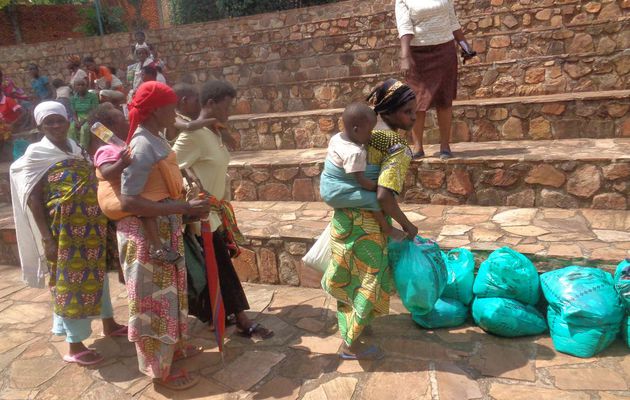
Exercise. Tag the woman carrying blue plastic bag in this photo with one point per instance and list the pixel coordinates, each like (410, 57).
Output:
(359, 275)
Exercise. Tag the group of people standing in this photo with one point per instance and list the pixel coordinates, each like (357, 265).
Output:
(82, 206)
(66, 196)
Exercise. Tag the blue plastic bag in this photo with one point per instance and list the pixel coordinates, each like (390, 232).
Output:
(508, 274)
(579, 341)
(419, 273)
(583, 296)
(622, 282)
(507, 317)
(447, 313)
(460, 265)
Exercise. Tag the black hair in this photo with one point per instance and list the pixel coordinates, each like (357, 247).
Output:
(355, 112)
(32, 65)
(88, 59)
(185, 90)
(57, 83)
(217, 91)
(150, 70)
(102, 114)
(139, 33)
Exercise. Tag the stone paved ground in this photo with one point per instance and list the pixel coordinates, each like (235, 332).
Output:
(301, 361)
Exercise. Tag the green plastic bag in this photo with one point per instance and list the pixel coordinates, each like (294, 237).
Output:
(508, 274)
(507, 317)
(447, 313)
(583, 296)
(622, 282)
(579, 341)
(419, 273)
(460, 265)
(625, 330)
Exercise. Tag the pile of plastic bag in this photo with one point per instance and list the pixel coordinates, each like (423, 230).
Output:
(622, 284)
(585, 312)
(451, 309)
(419, 273)
(507, 288)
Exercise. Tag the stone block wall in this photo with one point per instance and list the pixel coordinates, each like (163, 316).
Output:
(276, 261)
(563, 119)
(601, 184)
(355, 42)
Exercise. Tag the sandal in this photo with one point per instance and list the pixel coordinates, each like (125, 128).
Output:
(371, 353)
(446, 154)
(178, 381)
(165, 255)
(120, 332)
(187, 352)
(256, 330)
(76, 358)
(418, 155)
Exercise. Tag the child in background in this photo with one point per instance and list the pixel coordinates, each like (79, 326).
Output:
(63, 96)
(41, 86)
(110, 161)
(82, 102)
(344, 183)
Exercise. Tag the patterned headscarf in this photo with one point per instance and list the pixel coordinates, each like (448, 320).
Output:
(389, 96)
(149, 97)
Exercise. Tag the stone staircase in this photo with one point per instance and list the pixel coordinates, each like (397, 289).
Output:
(540, 131)
(541, 127)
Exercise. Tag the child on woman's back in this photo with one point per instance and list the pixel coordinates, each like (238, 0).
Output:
(110, 161)
(344, 180)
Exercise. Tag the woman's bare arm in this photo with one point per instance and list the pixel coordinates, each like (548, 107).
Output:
(390, 207)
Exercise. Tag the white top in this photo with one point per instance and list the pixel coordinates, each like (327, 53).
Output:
(430, 21)
(350, 156)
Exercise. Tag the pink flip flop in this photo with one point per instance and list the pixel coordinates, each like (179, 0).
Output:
(76, 358)
(120, 332)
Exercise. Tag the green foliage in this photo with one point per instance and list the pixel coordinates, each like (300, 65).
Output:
(190, 11)
(112, 18)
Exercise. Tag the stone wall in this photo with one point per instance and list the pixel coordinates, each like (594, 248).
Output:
(519, 182)
(336, 52)
(529, 118)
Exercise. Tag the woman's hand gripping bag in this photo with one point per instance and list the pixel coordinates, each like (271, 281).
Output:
(460, 265)
(419, 273)
(583, 296)
(508, 274)
(622, 282)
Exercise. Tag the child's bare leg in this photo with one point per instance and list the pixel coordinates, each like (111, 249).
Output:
(157, 250)
(387, 229)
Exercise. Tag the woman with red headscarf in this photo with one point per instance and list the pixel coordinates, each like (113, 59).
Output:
(151, 186)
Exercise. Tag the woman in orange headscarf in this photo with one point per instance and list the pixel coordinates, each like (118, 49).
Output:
(157, 289)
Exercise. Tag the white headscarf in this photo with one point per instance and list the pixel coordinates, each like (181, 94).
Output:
(48, 108)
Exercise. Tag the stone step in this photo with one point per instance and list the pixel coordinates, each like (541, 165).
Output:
(568, 173)
(262, 53)
(279, 233)
(573, 10)
(540, 75)
(558, 116)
